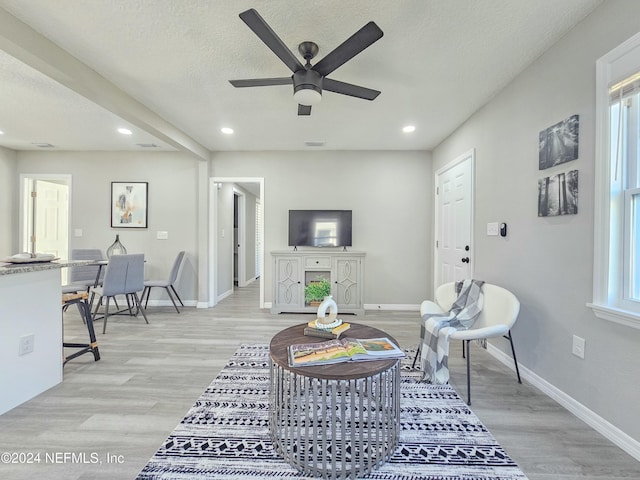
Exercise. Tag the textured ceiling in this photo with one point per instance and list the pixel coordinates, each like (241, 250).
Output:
(163, 66)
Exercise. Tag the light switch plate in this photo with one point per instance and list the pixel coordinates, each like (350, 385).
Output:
(578, 346)
(493, 229)
(162, 235)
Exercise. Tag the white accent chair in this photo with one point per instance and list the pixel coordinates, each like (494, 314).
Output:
(167, 284)
(499, 312)
(124, 275)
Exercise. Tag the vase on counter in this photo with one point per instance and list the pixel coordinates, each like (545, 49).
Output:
(116, 248)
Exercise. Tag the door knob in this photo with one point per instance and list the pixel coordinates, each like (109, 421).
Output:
(465, 260)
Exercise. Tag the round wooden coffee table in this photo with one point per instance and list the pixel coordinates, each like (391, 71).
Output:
(333, 421)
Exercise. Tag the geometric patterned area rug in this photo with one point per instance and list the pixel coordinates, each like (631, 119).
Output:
(225, 434)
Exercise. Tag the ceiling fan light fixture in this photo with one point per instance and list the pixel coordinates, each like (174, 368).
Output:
(307, 95)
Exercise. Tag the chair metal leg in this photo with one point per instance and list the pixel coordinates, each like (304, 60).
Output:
(513, 352)
(140, 309)
(106, 314)
(172, 300)
(145, 292)
(468, 369)
(130, 305)
(413, 365)
(422, 334)
(176, 294)
(93, 295)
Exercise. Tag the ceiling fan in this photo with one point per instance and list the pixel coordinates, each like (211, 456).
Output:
(310, 80)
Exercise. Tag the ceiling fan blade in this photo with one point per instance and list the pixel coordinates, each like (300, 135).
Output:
(256, 23)
(304, 109)
(351, 47)
(261, 82)
(349, 89)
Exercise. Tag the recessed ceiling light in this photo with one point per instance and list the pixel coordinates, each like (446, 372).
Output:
(226, 130)
(125, 131)
(409, 129)
(1, 132)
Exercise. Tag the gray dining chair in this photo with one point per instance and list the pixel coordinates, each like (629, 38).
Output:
(124, 275)
(167, 284)
(82, 277)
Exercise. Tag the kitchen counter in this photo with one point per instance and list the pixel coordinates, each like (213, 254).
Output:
(12, 268)
(30, 316)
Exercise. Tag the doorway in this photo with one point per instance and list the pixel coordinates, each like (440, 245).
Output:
(44, 223)
(454, 220)
(239, 233)
(236, 248)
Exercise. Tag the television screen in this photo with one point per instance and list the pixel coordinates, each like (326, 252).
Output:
(320, 228)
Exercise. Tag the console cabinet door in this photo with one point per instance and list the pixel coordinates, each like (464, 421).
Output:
(288, 282)
(348, 282)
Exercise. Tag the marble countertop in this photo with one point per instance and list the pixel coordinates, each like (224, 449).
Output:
(10, 268)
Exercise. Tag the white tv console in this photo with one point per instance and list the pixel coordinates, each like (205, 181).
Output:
(293, 269)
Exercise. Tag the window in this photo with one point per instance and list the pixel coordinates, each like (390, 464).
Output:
(616, 292)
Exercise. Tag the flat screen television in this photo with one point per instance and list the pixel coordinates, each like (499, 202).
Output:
(320, 228)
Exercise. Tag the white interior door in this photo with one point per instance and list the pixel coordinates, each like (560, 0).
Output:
(44, 223)
(454, 220)
(51, 218)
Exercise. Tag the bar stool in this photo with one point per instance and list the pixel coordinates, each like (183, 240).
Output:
(80, 299)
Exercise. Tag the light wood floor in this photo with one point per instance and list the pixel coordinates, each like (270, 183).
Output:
(119, 410)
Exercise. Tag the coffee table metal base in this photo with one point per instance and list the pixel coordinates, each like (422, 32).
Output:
(335, 428)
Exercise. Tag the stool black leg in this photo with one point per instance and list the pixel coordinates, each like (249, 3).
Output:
(85, 312)
(92, 346)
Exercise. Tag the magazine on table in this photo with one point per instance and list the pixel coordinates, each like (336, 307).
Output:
(345, 350)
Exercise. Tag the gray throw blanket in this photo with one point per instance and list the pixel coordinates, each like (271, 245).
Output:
(436, 329)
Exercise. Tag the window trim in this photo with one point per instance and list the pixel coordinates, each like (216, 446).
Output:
(619, 63)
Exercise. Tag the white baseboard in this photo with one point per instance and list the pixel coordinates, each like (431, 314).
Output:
(599, 424)
(391, 306)
(224, 295)
(377, 306)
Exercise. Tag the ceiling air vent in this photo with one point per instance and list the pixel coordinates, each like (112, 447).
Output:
(148, 145)
(42, 144)
(314, 144)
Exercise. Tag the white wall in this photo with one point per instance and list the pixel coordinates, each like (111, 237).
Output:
(172, 181)
(8, 198)
(389, 192)
(547, 262)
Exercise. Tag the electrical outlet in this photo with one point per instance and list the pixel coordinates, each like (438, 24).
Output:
(493, 229)
(162, 235)
(578, 346)
(26, 344)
